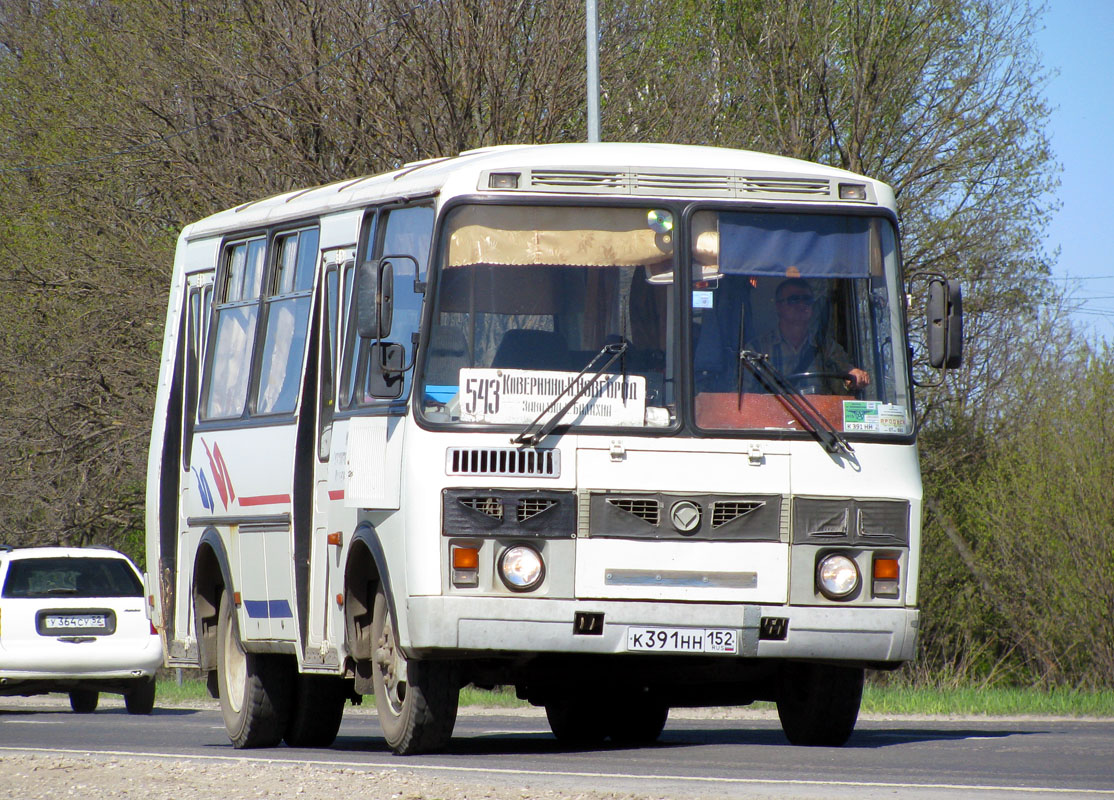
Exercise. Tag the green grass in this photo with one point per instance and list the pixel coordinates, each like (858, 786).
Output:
(876, 700)
(995, 702)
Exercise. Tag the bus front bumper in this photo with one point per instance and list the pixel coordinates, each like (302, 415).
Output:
(523, 625)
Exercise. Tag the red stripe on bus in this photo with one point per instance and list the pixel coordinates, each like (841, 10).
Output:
(265, 500)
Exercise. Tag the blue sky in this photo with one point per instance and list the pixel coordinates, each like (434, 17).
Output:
(1078, 42)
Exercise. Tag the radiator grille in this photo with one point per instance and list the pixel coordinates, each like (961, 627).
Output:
(491, 506)
(503, 461)
(725, 511)
(646, 509)
(530, 507)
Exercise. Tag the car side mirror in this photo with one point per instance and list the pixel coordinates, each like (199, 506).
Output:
(375, 284)
(945, 324)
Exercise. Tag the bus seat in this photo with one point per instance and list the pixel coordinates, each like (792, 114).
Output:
(532, 349)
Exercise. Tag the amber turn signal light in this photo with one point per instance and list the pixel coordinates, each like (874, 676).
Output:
(887, 577)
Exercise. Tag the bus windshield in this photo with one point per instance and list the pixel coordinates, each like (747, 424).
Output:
(806, 304)
(782, 304)
(528, 296)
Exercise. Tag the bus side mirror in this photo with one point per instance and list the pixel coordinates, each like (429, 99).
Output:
(375, 285)
(945, 324)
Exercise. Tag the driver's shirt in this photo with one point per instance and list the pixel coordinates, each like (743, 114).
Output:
(811, 356)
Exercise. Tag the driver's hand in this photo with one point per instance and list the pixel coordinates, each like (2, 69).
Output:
(859, 378)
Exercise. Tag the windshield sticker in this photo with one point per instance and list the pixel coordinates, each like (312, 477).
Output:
(702, 299)
(519, 396)
(873, 416)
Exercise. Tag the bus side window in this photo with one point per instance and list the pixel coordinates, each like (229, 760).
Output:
(237, 308)
(287, 307)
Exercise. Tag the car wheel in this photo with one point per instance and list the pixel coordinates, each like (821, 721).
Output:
(416, 700)
(254, 688)
(317, 712)
(140, 698)
(84, 701)
(818, 705)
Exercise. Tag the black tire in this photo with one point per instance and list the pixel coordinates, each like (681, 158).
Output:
(317, 710)
(416, 700)
(638, 720)
(140, 699)
(84, 701)
(818, 704)
(579, 720)
(254, 688)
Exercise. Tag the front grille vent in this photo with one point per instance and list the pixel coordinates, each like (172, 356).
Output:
(776, 185)
(503, 461)
(577, 179)
(650, 183)
(530, 507)
(491, 506)
(707, 183)
(725, 511)
(646, 509)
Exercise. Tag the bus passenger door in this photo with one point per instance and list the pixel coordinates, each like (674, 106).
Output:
(199, 295)
(325, 623)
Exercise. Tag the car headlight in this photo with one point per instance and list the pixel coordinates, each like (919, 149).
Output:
(521, 568)
(837, 576)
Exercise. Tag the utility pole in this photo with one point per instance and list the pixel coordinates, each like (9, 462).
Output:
(591, 12)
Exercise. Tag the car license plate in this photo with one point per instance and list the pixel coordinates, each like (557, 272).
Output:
(682, 640)
(61, 622)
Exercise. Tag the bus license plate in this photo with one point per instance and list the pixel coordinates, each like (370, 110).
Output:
(683, 640)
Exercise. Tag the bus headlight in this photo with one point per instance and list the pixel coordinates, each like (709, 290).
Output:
(521, 568)
(837, 576)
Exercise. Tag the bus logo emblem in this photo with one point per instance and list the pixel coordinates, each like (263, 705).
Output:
(685, 516)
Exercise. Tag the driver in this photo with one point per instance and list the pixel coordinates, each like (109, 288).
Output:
(793, 348)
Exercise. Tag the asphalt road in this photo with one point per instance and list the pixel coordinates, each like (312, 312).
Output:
(703, 757)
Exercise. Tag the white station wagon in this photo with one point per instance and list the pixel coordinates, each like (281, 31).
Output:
(73, 620)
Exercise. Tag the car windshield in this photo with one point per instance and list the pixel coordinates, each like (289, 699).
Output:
(71, 577)
(528, 296)
(815, 297)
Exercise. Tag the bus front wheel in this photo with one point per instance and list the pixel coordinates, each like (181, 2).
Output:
(416, 699)
(254, 687)
(819, 704)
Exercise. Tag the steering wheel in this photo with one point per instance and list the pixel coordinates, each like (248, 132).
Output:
(799, 378)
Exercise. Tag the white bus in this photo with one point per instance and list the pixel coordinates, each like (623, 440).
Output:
(626, 426)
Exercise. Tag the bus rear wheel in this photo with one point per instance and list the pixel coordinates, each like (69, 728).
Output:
(317, 712)
(254, 687)
(416, 700)
(638, 720)
(819, 704)
(578, 719)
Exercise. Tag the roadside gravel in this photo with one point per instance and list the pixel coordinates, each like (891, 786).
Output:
(35, 776)
(39, 776)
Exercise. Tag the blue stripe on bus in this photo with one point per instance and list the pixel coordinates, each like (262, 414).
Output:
(268, 609)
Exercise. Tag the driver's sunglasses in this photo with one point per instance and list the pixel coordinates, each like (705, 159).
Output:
(797, 300)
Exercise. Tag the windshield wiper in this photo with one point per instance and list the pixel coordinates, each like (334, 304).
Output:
(814, 422)
(615, 350)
